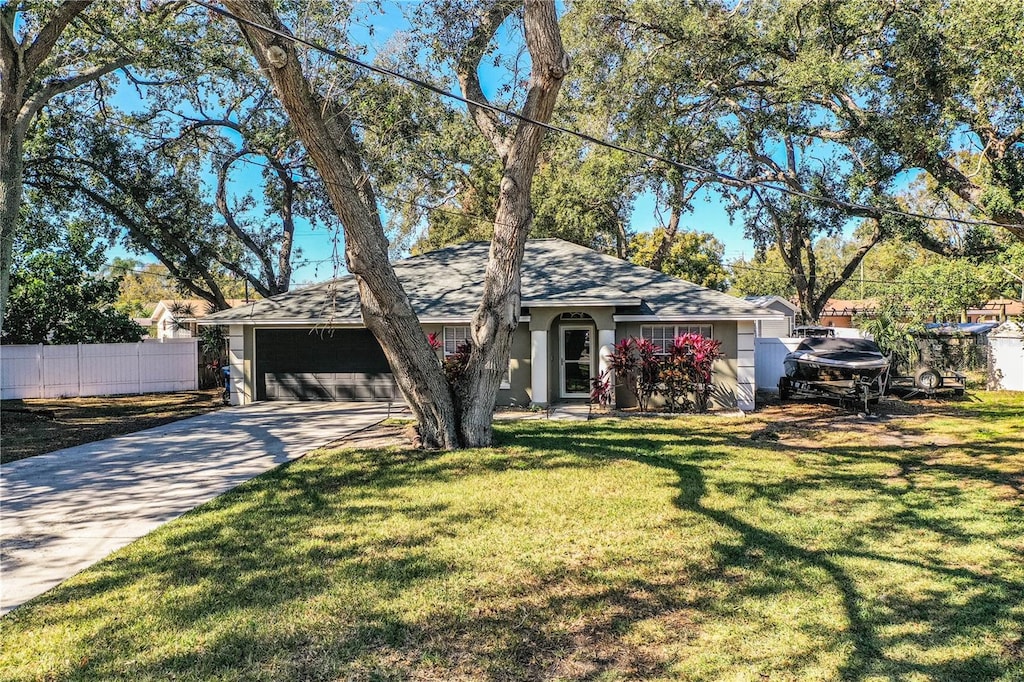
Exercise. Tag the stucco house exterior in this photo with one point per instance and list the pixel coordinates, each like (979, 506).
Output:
(311, 344)
(775, 327)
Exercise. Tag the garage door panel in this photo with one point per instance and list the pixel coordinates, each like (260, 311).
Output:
(348, 364)
(352, 386)
(296, 386)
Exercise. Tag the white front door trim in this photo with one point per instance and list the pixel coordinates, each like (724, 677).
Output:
(562, 360)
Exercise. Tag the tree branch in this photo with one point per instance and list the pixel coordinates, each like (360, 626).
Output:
(469, 78)
(39, 99)
(229, 218)
(48, 34)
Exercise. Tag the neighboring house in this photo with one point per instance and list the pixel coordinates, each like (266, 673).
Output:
(178, 319)
(775, 327)
(311, 344)
(840, 313)
(996, 310)
(146, 323)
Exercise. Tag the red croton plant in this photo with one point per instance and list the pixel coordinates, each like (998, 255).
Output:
(682, 375)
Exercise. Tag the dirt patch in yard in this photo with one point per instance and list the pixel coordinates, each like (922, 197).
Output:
(34, 427)
(386, 434)
(816, 425)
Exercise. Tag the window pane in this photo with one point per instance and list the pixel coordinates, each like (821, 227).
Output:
(661, 335)
(453, 338)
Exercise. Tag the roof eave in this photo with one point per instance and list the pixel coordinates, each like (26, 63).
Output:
(703, 317)
(583, 303)
(310, 322)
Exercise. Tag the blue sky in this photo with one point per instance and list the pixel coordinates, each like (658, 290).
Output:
(318, 245)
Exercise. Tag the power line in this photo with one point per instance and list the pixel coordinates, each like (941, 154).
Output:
(428, 208)
(852, 206)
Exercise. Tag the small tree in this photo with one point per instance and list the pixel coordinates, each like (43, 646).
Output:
(55, 299)
(701, 353)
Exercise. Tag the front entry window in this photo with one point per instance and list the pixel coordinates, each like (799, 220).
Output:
(577, 361)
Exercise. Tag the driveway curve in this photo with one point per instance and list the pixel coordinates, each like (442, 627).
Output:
(63, 511)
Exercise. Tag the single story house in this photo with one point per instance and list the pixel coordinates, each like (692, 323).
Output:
(311, 344)
(996, 310)
(178, 319)
(775, 327)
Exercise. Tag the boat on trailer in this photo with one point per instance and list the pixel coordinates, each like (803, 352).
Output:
(844, 369)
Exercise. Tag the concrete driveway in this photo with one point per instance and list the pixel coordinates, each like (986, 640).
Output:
(64, 511)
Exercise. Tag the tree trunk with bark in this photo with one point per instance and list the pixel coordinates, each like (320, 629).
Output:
(326, 131)
(11, 174)
(497, 316)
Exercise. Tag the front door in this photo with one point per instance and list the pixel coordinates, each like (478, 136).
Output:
(577, 361)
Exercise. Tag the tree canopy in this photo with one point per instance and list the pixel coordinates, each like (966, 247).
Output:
(59, 295)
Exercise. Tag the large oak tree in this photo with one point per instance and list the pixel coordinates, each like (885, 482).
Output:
(50, 50)
(327, 130)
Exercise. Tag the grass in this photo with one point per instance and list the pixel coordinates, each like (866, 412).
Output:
(37, 426)
(654, 549)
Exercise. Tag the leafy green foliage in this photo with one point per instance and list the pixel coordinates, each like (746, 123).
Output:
(693, 256)
(895, 333)
(763, 275)
(943, 291)
(55, 299)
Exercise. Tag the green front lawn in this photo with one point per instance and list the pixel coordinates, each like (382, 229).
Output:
(654, 549)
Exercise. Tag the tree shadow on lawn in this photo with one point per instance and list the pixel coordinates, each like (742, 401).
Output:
(941, 617)
(227, 575)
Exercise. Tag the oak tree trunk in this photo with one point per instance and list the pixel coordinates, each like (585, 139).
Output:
(326, 131)
(497, 316)
(11, 173)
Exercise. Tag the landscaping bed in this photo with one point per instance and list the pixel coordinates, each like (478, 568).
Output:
(37, 426)
(686, 548)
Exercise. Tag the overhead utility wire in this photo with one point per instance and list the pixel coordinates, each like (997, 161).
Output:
(584, 136)
(426, 207)
(332, 233)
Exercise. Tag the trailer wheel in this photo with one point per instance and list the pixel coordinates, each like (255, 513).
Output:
(784, 392)
(927, 379)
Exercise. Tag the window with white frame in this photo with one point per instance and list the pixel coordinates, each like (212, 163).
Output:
(664, 335)
(455, 337)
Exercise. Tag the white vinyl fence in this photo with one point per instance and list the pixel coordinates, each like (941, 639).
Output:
(770, 352)
(151, 366)
(768, 356)
(1006, 353)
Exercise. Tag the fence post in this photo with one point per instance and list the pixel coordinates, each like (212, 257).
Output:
(78, 368)
(138, 363)
(40, 363)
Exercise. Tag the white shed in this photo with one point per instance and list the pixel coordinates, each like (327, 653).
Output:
(1006, 347)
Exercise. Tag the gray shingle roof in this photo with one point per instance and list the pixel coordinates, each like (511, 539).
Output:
(446, 285)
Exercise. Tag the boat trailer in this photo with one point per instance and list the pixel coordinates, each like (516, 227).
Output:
(856, 392)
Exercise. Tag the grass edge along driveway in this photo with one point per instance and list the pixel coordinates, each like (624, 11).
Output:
(654, 549)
